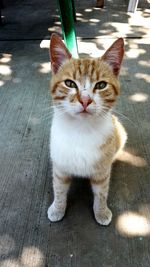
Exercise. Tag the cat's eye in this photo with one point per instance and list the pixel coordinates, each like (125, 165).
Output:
(70, 83)
(100, 85)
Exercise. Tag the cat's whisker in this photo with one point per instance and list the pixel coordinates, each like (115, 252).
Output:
(101, 112)
(47, 105)
(123, 116)
(106, 109)
(47, 109)
(45, 117)
(49, 116)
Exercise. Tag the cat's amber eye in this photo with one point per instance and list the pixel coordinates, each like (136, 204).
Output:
(100, 85)
(70, 83)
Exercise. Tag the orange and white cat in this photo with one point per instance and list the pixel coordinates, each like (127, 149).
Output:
(85, 136)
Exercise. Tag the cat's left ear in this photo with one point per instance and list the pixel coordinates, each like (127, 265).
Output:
(58, 52)
(114, 55)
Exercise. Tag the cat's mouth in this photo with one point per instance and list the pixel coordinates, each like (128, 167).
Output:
(84, 112)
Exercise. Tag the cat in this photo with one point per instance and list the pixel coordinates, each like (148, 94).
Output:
(85, 136)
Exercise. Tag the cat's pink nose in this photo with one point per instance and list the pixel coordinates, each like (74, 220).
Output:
(85, 101)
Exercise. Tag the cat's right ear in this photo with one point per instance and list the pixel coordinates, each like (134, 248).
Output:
(58, 52)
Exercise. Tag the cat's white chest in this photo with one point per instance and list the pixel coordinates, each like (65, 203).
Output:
(75, 148)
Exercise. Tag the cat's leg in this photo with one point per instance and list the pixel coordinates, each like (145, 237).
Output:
(100, 186)
(61, 185)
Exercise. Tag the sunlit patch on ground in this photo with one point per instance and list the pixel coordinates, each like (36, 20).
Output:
(139, 97)
(144, 63)
(45, 67)
(88, 10)
(5, 70)
(90, 49)
(134, 51)
(30, 257)
(83, 19)
(124, 28)
(58, 23)
(5, 58)
(78, 14)
(1, 83)
(94, 20)
(137, 18)
(44, 44)
(133, 224)
(143, 76)
(54, 29)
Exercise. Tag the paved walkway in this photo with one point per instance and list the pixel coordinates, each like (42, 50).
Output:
(27, 238)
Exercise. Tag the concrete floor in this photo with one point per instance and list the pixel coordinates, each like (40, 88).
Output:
(27, 238)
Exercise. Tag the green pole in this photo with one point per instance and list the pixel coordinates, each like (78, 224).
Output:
(74, 10)
(67, 20)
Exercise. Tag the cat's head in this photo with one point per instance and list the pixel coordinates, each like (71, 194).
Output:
(85, 87)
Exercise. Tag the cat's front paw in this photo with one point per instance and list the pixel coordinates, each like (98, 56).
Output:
(54, 214)
(104, 216)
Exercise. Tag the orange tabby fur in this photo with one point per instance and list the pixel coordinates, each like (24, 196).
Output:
(100, 69)
(76, 69)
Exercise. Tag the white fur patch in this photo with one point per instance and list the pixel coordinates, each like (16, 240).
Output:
(75, 144)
